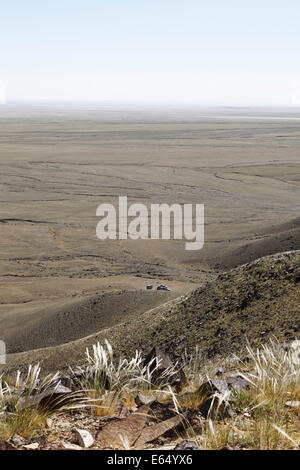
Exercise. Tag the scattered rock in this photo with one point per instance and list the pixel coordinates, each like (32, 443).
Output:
(215, 408)
(214, 396)
(166, 447)
(293, 404)
(49, 422)
(69, 446)
(161, 411)
(62, 423)
(133, 409)
(127, 428)
(17, 440)
(50, 398)
(159, 362)
(238, 383)
(42, 440)
(150, 433)
(112, 401)
(214, 386)
(186, 445)
(58, 394)
(68, 382)
(33, 446)
(162, 287)
(6, 445)
(124, 412)
(144, 399)
(219, 371)
(145, 425)
(84, 438)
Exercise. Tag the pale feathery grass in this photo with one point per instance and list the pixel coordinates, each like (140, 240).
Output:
(20, 413)
(262, 418)
(274, 373)
(103, 375)
(198, 369)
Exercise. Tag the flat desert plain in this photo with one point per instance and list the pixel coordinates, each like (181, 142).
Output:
(58, 282)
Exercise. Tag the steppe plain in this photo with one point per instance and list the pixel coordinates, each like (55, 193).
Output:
(58, 282)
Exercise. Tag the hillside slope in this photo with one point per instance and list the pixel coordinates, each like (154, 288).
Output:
(73, 319)
(255, 301)
(273, 239)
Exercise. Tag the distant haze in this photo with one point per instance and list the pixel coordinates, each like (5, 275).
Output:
(170, 51)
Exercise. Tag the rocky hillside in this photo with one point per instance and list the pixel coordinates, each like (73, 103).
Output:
(253, 302)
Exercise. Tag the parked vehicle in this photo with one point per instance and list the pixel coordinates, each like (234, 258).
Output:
(162, 287)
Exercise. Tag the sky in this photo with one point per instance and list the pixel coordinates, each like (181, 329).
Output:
(237, 52)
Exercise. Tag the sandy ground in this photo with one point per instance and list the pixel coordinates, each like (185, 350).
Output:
(58, 164)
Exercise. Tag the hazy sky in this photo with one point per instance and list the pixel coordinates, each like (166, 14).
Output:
(194, 51)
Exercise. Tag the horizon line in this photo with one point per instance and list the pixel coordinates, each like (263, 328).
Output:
(151, 103)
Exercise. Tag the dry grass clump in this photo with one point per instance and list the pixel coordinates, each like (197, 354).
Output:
(107, 381)
(20, 412)
(266, 415)
(275, 377)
